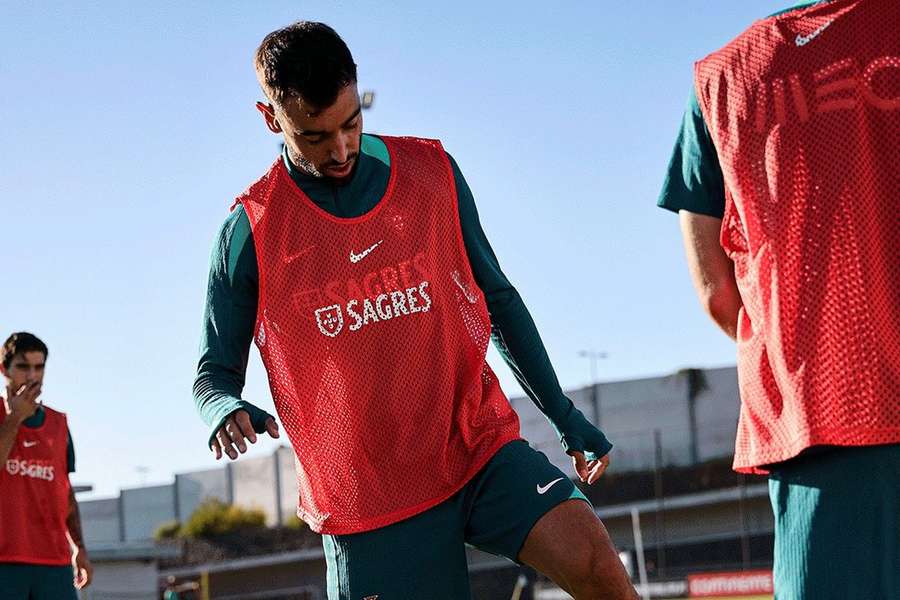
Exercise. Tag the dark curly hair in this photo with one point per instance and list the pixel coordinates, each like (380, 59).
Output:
(306, 59)
(20, 343)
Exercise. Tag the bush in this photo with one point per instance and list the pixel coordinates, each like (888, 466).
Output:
(169, 530)
(214, 518)
(294, 522)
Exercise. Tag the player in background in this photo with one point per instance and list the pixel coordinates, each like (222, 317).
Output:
(40, 528)
(358, 266)
(786, 177)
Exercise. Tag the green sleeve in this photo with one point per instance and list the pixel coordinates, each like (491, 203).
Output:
(70, 452)
(516, 337)
(694, 180)
(228, 322)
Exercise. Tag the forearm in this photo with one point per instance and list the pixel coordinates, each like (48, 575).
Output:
(228, 323)
(516, 337)
(722, 303)
(217, 396)
(73, 522)
(711, 270)
(217, 392)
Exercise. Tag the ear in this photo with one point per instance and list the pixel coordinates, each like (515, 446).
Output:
(268, 113)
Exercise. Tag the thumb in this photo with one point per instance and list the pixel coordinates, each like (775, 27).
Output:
(272, 428)
(581, 467)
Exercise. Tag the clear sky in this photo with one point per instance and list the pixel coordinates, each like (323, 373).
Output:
(128, 128)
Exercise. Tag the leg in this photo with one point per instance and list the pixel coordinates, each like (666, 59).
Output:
(421, 557)
(524, 508)
(53, 583)
(571, 546)
(837, 529)
(15, 581)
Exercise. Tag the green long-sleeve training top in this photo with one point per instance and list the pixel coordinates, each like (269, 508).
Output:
(232, 295)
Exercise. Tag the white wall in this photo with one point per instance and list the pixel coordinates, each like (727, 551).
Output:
(289, 492)
(717, 411)
(101, 520)
(194, 488)
(127, 580)
(253, 481)
(145, 509)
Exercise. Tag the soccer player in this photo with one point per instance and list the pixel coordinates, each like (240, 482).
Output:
(786, 177)
(40, 528)
(358, 265)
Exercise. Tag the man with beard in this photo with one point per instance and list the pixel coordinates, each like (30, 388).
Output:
(358, 265)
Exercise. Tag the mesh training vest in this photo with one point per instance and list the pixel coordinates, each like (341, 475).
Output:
(804, 109)
(34, 495)
(374, 335)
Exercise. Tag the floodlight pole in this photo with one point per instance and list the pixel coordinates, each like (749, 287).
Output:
(639, 551)
(595, 357)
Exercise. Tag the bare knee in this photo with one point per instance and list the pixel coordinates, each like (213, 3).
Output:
(571, 546)
(601, 576)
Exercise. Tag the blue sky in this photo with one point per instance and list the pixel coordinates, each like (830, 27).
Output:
(128, 128)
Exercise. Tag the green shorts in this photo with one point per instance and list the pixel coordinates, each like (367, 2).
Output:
(425, 556)
(36, 582)
(837, 525)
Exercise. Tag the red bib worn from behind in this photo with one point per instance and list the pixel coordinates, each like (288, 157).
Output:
(374, 335)
(804, 110)
(34, 495)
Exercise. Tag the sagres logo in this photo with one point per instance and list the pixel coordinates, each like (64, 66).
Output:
(330, 320)
(368, 311)
(28, 468)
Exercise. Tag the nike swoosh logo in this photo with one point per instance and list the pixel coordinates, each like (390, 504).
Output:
(803, 40)
(355, 258)
(543, 490)
(296, 255)
(28, 444)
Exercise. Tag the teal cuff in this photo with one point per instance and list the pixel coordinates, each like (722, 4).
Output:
(225, 407)
(580, 435)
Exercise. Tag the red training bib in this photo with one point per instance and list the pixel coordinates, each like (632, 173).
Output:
(34, 495)
(374, 334)
(804, 109)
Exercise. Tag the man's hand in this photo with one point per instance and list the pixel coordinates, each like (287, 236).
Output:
(236, 432)
(23, 402)
(589, 471)
(84, 571)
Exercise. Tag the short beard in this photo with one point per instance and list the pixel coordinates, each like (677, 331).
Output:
(302, 164)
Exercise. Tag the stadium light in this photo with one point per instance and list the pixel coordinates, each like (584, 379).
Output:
(366, 99)
(595, 357)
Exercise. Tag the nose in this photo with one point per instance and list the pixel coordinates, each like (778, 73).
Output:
(341, 151)
(34, 374)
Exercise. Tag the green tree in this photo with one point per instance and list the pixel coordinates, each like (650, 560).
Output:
(214, 517)
(169, 530)
(294, 522)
